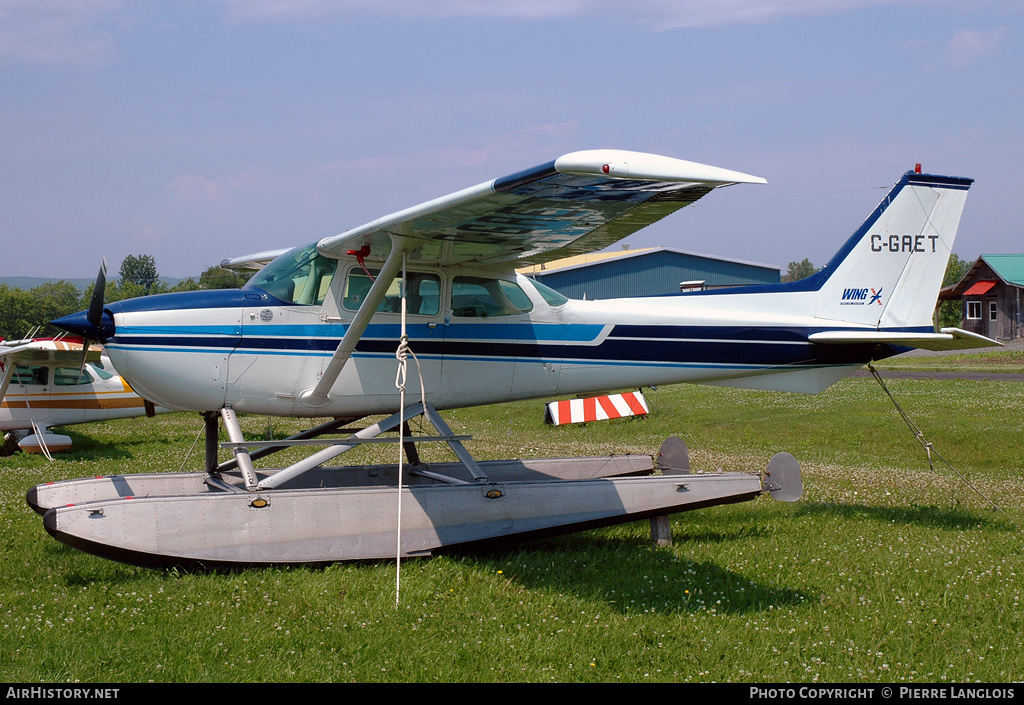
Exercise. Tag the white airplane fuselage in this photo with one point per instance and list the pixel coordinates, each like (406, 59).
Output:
(485, 336)
(258, 355)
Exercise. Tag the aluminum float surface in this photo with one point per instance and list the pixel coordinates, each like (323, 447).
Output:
(225, 529)
(79, 491)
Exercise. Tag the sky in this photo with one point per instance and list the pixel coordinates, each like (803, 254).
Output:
(198, 130)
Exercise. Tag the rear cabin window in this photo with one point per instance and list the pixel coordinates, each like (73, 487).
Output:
(554, 298)
(423, 297)
(478, 297)
(69, 376)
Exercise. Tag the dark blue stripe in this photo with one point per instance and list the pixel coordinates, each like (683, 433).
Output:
(526, 176)
(656, 344)
(207, 298)
(816, 280)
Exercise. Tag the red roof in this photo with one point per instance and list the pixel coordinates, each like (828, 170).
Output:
(981, 287)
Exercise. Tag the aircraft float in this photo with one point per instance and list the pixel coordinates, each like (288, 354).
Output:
(49, 382)
(421, 311)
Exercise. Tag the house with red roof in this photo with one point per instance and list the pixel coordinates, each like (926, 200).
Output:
(992, 293)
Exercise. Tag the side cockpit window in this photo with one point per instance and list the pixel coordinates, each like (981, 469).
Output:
(423, 297)
(31, 374)
(479, 297)
(70, 376)
(300, 276)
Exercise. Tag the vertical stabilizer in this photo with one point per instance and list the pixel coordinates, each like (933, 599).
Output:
(888, 275)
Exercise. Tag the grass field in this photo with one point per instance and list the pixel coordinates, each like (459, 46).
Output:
(888, 570)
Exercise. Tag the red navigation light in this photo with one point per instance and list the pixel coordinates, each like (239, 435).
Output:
(917, 168)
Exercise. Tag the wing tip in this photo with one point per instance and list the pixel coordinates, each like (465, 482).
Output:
(641, 165)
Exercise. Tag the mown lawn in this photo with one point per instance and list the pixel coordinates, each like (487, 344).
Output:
(889, 569)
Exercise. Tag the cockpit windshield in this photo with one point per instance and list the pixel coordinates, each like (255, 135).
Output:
(299, 276)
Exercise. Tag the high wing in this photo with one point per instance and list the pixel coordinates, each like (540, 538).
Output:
(30, 350)
(581, 202)
(254, 261)
(45, 350)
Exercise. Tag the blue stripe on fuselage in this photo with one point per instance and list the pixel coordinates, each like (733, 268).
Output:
(625, 344)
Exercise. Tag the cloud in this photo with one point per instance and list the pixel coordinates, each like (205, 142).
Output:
(195, 188)
(656, 14)
(970, 46)
(57, 31)
(248, 10)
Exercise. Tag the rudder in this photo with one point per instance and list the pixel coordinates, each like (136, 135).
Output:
(889, 273)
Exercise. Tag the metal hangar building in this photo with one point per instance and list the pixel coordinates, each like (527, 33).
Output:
(651, 271)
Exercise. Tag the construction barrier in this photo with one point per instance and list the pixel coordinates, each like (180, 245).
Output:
(612, 406)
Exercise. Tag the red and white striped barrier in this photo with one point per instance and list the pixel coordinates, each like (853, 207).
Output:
(612, 406)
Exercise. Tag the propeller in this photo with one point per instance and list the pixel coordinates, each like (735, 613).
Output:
(95, 313)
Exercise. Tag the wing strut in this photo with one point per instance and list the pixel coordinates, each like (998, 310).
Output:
(321, 393)
(8, 374)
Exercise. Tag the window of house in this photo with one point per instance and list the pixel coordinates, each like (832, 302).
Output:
(992, 310)
(974, 310)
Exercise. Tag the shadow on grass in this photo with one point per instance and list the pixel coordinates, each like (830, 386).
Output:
(85, 447)
(631, 576)
(928, 516)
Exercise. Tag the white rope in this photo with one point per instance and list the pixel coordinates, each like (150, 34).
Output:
(402, 355)
(35, 428)
(400, 379)
(927, 445)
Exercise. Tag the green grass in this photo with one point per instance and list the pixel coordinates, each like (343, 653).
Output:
(992, 360)
(888, 569)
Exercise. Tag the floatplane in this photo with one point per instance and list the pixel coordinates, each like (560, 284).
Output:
(52, 382)
(331, 329)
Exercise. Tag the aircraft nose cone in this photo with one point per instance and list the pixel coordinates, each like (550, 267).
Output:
(79, 324)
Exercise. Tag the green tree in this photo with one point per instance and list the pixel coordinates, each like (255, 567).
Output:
(24, 313)
(950, 313)
(138, 275)
(799, 270)
(189, 284)
(220, 278)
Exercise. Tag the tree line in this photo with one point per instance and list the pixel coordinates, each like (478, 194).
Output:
(25, 312)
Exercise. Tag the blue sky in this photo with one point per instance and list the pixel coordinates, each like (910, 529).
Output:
(203, 129)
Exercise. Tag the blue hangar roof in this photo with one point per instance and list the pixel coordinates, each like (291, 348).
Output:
(650, 271)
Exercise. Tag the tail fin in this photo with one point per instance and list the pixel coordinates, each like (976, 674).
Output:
(888, 274)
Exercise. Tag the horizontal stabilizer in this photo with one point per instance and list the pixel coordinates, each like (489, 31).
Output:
(947, 339)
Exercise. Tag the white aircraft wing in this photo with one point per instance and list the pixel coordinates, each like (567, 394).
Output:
(13, 351)
(45, 351)
(581, 202)
(254, 261)
(31, 351)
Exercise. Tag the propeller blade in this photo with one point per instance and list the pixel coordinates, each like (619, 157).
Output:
(96, 304)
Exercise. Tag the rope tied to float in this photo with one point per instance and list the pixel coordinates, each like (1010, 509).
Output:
(929, 448)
